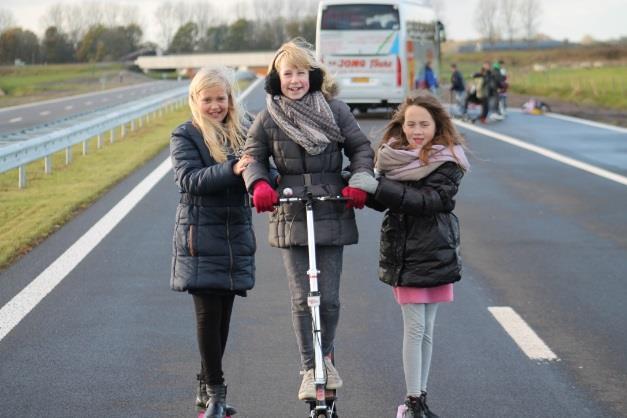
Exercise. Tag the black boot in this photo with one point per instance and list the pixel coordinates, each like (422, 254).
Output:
(414, 408)
(425, 408)
(201, 393)
(216, 405)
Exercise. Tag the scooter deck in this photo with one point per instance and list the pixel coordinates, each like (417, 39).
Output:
(329, 395)
(330, 399)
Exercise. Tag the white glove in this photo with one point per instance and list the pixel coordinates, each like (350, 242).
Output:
(364, 181)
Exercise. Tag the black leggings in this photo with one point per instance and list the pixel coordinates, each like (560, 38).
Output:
(213, 315)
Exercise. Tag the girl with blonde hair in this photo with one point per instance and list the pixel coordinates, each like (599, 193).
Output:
(307, 132)
(214, 243)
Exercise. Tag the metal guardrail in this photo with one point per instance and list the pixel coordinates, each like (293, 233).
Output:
(17, 155)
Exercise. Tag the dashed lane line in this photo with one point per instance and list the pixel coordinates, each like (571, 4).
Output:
(522, 334)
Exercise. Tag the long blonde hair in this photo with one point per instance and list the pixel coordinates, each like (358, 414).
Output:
(299, 53)
(445, 132)
(217, 136)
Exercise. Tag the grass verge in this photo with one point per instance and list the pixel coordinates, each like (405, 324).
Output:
(29, 215)
(22, 81)
(581, 75)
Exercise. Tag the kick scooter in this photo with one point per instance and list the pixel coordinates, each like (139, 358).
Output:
(324, 404)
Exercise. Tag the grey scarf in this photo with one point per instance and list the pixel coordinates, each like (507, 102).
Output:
(309, 121)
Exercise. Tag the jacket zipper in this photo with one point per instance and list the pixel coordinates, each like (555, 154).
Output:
(228, 240)
(190, 240)
(402, 229)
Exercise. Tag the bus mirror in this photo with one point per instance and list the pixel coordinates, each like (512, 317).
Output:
(441, 31)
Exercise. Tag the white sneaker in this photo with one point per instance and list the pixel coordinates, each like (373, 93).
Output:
(307, 386)
(334, 381)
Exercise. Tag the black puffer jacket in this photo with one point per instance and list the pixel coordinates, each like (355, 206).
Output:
(335, 224)
(420, 233)
(214, 245)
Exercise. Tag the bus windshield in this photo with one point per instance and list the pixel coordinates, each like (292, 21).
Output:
(360, 17)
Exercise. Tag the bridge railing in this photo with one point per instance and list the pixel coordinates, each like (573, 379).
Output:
(19, 154)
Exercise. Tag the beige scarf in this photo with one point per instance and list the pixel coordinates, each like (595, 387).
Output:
(404, 165)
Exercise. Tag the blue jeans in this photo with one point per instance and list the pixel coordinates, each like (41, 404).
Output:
(329, 263)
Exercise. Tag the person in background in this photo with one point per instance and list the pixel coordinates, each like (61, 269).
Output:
(214, 243)
(427, 79)
(422, 161)
(458, 87)
(307, 133)
(500, 75)
(481, 91)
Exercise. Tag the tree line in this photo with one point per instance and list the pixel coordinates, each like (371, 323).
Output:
(507, 19)
(97, 32)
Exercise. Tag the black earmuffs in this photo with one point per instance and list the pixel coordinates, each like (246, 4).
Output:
(273, 81)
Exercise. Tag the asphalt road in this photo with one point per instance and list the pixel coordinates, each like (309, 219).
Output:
(541, 237)
(14, 119)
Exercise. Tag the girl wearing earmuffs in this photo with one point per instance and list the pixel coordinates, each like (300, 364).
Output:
(306, 132)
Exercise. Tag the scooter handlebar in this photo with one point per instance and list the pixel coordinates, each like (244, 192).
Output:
(288, 194)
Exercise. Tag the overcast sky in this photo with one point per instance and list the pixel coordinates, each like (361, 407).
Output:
(560, 19)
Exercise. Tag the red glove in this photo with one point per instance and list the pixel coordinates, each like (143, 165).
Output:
(356, 197)
(264, 196)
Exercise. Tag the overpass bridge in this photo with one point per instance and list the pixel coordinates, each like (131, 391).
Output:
(256, 61)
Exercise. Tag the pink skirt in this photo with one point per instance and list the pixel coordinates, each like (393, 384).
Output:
(436, 294)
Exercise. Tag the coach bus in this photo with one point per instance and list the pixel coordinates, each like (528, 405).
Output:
(375, 48)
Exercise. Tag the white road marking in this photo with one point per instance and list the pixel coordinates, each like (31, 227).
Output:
(15, 120)
(522, 334)
(68, 107)
(17, 308)
(548, 153)
(587, 122)
(44, 113)
(87, 103)
(21, 304)
(105, 100)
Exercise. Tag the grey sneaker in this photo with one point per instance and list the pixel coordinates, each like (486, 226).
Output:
(307, 386)
(334, 381)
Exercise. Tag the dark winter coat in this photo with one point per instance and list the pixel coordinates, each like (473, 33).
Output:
(420, 233)
(214, 245)
(318, 174)
(457, 81)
